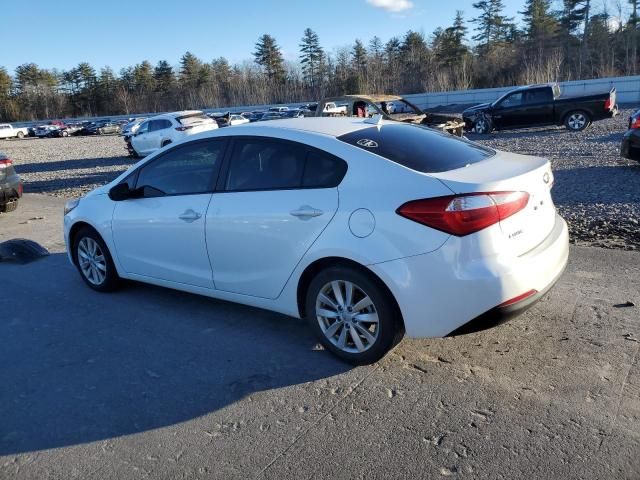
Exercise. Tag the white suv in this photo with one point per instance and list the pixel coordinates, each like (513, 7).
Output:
(161, 130)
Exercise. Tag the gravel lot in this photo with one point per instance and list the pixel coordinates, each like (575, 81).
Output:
(595, 190)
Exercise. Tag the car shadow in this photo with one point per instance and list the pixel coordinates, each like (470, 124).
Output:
(76, 164)
(80, 366)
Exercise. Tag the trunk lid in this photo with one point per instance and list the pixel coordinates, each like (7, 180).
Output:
(529, 227)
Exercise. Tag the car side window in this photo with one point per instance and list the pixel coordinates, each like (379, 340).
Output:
(323, 170)
(538, 95)
(513, 100)
(183, 170)
(258, 164)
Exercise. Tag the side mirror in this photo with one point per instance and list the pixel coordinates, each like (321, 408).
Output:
(120, 192)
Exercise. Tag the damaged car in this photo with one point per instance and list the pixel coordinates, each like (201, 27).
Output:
(539, 106)
(391, 107)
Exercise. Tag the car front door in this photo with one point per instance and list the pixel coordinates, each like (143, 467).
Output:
(139, 140)
(276, 198)
(161, 233)
(508, 112)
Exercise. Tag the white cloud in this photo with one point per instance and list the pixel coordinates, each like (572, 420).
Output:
(392, 5)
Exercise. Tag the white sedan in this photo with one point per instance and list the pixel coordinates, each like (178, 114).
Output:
(367, 228)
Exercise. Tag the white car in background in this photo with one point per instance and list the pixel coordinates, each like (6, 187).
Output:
(366, 228)
(131, 127)
(161, 130)
(237, 120)
(9, 131)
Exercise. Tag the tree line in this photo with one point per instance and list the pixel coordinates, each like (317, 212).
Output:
(562, 40)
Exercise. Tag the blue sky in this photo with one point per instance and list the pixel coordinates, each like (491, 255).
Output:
(119, 33)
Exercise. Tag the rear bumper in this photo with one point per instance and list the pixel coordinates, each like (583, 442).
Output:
(442, 291)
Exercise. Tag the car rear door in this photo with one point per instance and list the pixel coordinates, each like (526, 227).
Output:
(275, 199)
(161, 234)
(537, 107)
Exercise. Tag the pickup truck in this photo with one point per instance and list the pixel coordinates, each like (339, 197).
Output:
(540, 105)
(8, 131)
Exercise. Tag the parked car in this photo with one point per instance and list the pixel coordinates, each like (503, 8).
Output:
(254, 116)
(102, 127)
(9, 131)
(278, 109)
(237, 119)
(540, 105)
(10, 185)
(161, 130)
(68, 130)
(378, 104)
(295, 113)
(47, 131)
(251, 214)
(630, 147)
(271, 116)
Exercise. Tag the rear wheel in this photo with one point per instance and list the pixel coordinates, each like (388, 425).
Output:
(354, 317)
(10, 206)
(94, 261)
(577, 121)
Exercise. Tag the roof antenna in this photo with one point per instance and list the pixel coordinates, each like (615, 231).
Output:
(375, 120)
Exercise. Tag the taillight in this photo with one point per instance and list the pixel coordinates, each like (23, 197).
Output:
(635, 123)
(182, 129)
(607, 104)
(464, 214)
(5, 162)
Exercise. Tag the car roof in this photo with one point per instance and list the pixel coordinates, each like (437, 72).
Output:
(330, 126)
(176, 114)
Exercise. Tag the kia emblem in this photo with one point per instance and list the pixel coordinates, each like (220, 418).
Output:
(365, 142)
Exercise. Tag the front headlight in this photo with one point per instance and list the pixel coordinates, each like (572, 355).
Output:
(70, 205)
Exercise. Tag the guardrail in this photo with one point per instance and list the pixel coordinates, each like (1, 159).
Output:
(627, 88)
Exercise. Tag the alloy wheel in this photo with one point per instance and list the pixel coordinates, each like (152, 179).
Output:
(92, 261)
(577, 121)
(347, 316)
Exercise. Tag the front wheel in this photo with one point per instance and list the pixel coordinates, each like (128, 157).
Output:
(482, 125)
(20, 135)
(577, 121)
(94, 261)
(354, 317)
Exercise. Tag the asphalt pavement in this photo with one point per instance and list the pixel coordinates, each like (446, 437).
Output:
(152, 383)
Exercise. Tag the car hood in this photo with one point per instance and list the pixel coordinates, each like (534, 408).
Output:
(476, 108)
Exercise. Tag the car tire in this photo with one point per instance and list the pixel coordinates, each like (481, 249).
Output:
(577, 120)
(97, 270)
(20, 135)
(9, 207)
(482, 125)
(64, 134)
(345, 332)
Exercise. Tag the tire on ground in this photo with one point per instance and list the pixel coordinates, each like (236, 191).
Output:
(391, 327)
(112, 280)
(577, 120)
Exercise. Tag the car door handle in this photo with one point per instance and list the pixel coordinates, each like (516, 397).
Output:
(305, 212)
(190, 216)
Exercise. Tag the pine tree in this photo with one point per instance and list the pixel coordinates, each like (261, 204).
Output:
(493, 27)
(268, 55)
(190, 69)
(164, 76)
(540, 23)
(449, 43)
(312, 58)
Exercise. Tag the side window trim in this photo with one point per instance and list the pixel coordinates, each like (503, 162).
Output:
(216, 174)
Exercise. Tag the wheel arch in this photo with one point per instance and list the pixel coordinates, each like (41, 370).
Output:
(73, 231)
(586, 112)
(323, 263)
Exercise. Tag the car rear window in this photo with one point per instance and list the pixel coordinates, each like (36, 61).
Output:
(194, 119)
(418, 148)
